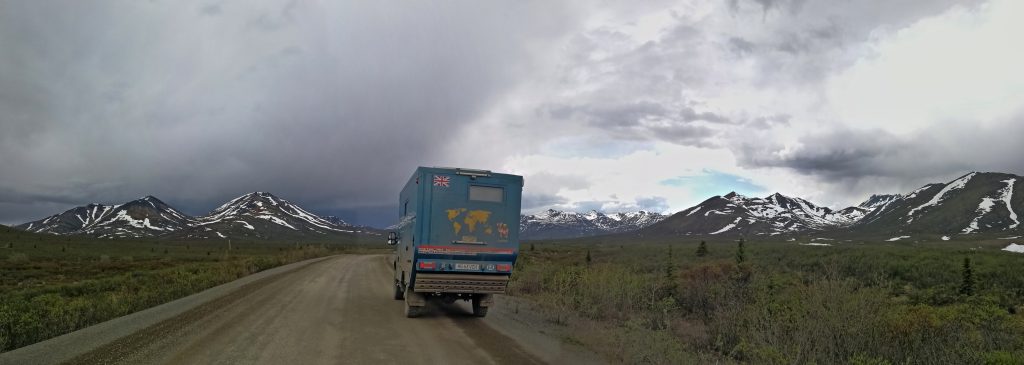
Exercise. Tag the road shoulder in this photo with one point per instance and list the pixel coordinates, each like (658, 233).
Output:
(69, 346)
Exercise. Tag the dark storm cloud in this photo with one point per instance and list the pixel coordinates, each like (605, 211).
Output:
(861, 160)
(767, 5)
(645, 120)
(330, 105)
(741, 46)
(534, 201)
(801, 41)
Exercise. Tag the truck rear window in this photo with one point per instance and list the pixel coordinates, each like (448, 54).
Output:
(486, 193)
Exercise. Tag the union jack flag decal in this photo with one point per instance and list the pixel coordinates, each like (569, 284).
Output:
(442, 181)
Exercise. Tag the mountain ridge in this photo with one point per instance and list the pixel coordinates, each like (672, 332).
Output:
(553, 224)
(256, 215)
(977, 202)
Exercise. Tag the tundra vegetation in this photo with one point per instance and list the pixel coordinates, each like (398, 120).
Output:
(52, 285)
(782, 303)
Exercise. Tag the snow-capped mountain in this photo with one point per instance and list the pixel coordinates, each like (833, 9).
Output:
(69, 222)
(776, 214)
(879, 200)
(558, 224)
(261, 215)
(255, 215)
(143, 217)
(335, 220)
(973, 203)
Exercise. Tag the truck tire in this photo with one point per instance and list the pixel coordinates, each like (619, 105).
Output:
(478, 310)
(418, 308)
(412, 311)
(399, 291)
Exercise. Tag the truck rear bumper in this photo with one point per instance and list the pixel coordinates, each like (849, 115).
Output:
(460, 283)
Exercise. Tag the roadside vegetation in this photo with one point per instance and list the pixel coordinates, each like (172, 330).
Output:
(782, 303)
(52, 285)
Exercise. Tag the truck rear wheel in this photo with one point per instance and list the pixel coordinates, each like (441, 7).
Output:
(413, 311)
(418, 303)
(478, 310)
(399, 291)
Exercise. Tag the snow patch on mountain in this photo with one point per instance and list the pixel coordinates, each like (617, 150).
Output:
(1006, 196)
(935, 200)
(987, 203)
(1013, 247)
(727, 227)
(137, 223)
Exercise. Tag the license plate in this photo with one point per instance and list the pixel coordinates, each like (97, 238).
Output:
(459, 266)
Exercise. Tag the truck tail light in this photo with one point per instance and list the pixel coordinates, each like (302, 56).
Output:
(504, 267)
(427, 265)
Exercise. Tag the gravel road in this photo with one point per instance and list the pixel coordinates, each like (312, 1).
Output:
(333, 311)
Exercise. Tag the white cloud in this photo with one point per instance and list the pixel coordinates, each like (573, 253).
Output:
(595, 102)
(621, 181)
(964, 65)
(822, 68)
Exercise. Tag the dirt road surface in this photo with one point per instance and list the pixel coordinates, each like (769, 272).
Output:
(333, 311)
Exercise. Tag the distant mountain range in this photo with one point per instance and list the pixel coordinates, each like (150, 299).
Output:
(974, 203)
(558, 224)
(256, 215)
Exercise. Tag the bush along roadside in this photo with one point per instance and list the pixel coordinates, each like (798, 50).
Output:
(653, 307)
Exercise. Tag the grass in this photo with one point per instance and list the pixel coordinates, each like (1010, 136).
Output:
(52, 285)
(874, 303)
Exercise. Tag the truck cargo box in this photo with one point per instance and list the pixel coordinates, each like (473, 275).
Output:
(457, 237)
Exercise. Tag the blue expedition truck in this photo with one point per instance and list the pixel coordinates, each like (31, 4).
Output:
(457, 237)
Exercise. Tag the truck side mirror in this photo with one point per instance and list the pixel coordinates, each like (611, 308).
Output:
(392, 238)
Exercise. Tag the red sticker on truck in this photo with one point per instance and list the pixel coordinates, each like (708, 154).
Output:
(451, 250)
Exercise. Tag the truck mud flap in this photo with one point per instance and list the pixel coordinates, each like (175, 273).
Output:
(461, 283)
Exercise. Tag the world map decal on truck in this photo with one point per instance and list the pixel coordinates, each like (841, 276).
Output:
(471, 219)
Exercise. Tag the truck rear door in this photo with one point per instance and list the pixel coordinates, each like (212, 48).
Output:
(471, 223)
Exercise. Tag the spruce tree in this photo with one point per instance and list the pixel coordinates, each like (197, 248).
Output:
(588, 258)
(740, 255)
(670, 273)
(967, 285)
(702, 250)
(670, 265)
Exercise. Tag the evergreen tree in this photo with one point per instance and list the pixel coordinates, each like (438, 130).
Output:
(702, 250)
(588, 258)
(670, 273)
(670, 265)
(967, 285)
(532, 248)
(740, 255)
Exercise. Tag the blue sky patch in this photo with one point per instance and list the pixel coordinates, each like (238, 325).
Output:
(710, 183)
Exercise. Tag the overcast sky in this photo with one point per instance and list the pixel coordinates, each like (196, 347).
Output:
(604, 105)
